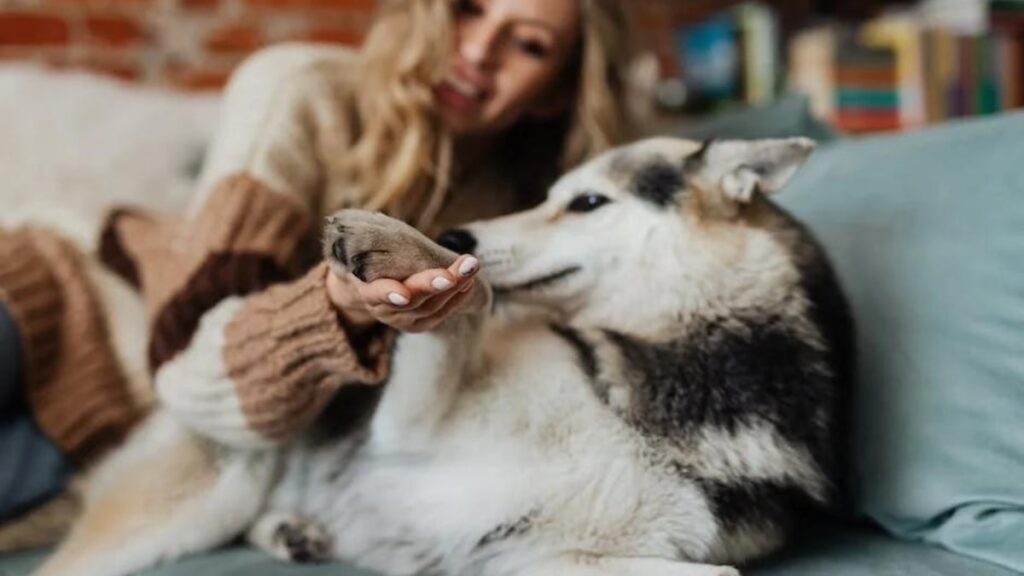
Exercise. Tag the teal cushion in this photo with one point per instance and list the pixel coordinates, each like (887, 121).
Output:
(823, 550)
(833, 551)
(927, 233)
(237, 561)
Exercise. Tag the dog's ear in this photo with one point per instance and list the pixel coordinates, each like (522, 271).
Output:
(727, 173)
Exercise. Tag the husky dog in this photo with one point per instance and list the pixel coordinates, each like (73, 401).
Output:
(646, 384)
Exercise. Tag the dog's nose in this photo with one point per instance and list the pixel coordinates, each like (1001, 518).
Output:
(458, 240)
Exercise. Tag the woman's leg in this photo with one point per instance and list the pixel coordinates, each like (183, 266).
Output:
(31, 467)
(10, 363)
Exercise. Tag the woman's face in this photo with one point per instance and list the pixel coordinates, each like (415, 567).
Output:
(507, 62)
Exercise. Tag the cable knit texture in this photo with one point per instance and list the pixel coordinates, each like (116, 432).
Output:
(287, 353)
(74, 384)
(246, 238)
(33, 297)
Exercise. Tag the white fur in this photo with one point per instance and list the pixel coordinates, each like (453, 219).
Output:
(754, 451)
(163, 496)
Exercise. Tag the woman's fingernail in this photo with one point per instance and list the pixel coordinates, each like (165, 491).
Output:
(441, 283)
(468, 266)
(397, 299)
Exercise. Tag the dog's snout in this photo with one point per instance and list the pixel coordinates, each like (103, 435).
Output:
(458, 240)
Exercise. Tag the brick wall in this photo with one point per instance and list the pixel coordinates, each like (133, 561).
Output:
(191, 44)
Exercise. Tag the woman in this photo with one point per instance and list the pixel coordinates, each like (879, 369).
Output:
(452, 111)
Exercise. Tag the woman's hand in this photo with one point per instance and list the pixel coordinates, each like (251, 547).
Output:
(418, 304)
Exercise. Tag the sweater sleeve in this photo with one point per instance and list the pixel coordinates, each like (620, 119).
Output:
(253, 219)
(246, 238)
(260, 368)
(243, 346)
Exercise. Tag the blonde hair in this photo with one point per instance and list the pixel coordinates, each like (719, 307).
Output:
(401, 156)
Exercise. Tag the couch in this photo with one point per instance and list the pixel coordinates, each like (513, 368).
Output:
(924, 229)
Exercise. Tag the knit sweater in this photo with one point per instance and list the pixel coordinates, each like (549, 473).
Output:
(74, 383)
(245, 344)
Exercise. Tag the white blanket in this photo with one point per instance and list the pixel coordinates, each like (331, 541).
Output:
(72, 145)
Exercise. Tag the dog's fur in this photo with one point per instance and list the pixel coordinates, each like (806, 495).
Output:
(646, 384)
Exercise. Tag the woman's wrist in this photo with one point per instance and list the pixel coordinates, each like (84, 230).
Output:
(353, 311)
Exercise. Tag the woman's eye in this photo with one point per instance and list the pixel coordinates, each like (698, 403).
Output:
(468, 8)
(533, 48)
(587, 202)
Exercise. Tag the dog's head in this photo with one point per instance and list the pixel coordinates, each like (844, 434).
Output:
(643, 225)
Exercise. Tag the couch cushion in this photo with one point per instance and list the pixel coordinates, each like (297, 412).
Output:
(927, 234)
(822, 551)
(238, 561)
(864, 552)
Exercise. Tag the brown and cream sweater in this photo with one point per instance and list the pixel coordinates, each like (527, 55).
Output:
(74, 383)
(245, 345)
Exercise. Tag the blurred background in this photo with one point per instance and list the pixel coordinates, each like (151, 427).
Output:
(866, 65)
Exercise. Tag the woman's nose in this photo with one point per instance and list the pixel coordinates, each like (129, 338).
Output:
(478, 44)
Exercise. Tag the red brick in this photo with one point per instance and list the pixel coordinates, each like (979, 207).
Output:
(101, 4)
(120, 70)
(8, 54)
(363, 5)
(199, 4)
(199, 80)
(114, 30)
(235, 38)
(332, 36)
(34, 55)
(33, 30)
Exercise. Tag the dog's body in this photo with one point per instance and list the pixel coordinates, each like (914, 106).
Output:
(655, 394)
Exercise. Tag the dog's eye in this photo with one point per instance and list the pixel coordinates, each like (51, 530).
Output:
(587, 202)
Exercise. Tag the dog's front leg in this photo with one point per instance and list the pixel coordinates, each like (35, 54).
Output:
(427, 371)
(427, 368)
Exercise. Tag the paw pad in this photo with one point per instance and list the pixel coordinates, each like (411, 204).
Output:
(301, 542)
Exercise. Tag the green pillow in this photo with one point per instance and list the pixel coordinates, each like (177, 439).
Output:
(927, 234)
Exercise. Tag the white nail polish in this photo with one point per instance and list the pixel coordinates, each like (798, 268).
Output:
(441, 283)
(397, 299)
(468, 266)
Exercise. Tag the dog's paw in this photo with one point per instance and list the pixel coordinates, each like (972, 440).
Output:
(300, 541)
(372, 245)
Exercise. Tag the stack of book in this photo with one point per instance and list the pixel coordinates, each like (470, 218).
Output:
(867, 91)
(899, 73)
(1007, 20)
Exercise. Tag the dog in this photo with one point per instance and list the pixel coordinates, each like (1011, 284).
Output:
(646, 381)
